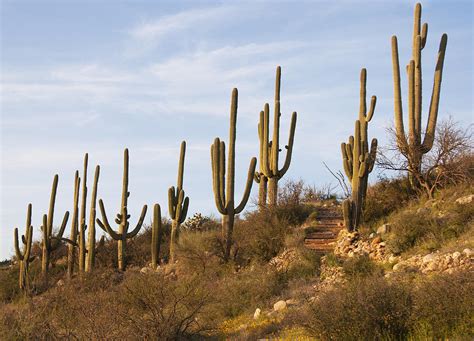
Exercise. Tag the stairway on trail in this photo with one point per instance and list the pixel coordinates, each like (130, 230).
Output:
(322, 234)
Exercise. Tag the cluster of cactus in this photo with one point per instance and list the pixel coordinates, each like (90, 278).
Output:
(358, 160)
(269, 174)
(412, 147)
(223, 184)
(24, 258)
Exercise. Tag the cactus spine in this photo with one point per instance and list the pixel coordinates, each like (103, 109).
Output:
(156, 233)
(413, 148)
(122, 218)
(90, 257)
(177, 203)
(24, 257)
(74, 228)
(50, 242)
(358, 161)
(269, 150)
(224, 197)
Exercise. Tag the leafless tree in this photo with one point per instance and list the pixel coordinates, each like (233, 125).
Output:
(450, 161)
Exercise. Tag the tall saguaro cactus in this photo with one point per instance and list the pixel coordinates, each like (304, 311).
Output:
(122, 234)
(358, 160)
(269, 150)
(412, 147)
(224, 187)
(90, 256)
(156, 233)
(82, 218)
(71, 255)
(177, 203)
(51, 242)
(24, 257)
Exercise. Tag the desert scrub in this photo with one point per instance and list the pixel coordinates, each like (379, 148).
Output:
(361, 266)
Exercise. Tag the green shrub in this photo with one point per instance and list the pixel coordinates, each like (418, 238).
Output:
(444, 307)
(360, 266)
(367, 308)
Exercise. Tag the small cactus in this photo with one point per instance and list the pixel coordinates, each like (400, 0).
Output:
(412, 147)
(51, 242)
(269, 173)
(224, 197)
(156, 234)
(177, 203)
(122, 234)
(24, 258)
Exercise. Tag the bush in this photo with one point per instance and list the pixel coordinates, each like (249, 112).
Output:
(291, 202)
(385, 197)
(261, 236)
(361, 266)
(444, 307)
(365, 309)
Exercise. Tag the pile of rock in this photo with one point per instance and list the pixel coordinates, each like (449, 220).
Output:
(283, 261)
(438, 262)
(331, 274)
(350, 244)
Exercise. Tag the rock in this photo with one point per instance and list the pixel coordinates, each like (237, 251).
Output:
(372, 235)
(423, 210)
(291, 302)
(456, 255)
(279, 306)
(257, 313)
(468, 252)
(385, 228)
(376, 240)
(465, 200)
(60, 283)
(146, 270)
(397, 267)
(392, 259)
(428, 258)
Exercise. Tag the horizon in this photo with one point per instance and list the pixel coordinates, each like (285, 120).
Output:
(96, 78)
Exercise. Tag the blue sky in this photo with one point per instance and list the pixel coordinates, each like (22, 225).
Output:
(99, 76)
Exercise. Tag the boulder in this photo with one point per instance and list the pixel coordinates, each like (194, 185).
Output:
(257, 313)
(428, 258)
(465, 200)
(279, 306)
(376, 240)
(468, 252)
(385, 228)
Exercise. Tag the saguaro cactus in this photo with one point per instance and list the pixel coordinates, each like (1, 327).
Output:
(71, 255)
(358, 160)
(82, 220)
(412, 147)
(24, 257)
(177, 203)
(51, 242)
(224, 197)
(269, 150)
(156, 233)
(90, 256)
(122, 218)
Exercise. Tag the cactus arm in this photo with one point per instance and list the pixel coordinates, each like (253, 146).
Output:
(345, 161)
(64, 239)
(411, 102)
(125, 192)
(289, 151)
(172, 202)
(434, 104)
(52, 202)
(248, 186)
(424, 35)
(90, 259)
(215, 162)
(139, 224)
(370, 114)
(29, 242)
(363, 93)
(17, 247)
(63, 224)
(44, 229)
(222, 175)
(156, 235)
(372, 154)
(184, 211)
(401, 139)
(179, 205)
(416, 27)
(105, 225)
(266, 163)
(82, 220)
